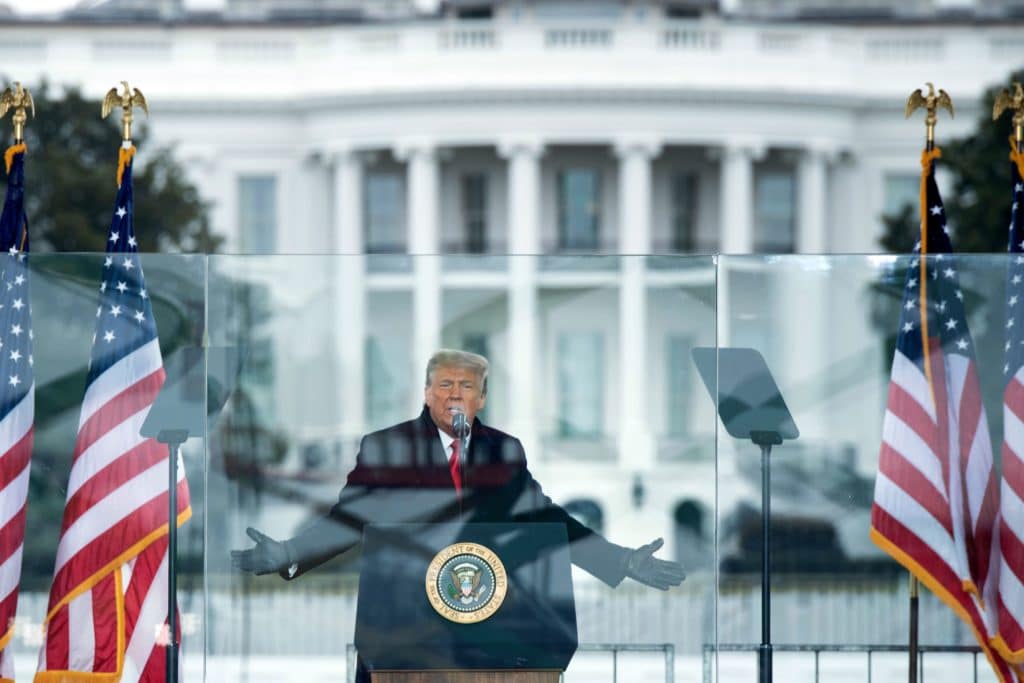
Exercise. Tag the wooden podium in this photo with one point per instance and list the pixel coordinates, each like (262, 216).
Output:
(465, 676)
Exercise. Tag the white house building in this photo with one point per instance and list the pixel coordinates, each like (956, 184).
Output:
(455, 155)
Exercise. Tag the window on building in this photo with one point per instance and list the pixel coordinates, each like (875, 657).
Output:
(679, 384)
(476, 342)
(685, 10)
(386, 400)
(580, 384)
(579, 208)
(257, 213)
(684, 211)
(592, 9)
(474, 212)
(901, 189)
(775, 212)
(479, 11)
(256, 308)
(385, 213)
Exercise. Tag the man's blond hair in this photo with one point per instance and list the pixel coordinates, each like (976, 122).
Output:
(455, 358)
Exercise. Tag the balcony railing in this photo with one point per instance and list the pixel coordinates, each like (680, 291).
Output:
(817, 650)
(858, 54)
(468, 39)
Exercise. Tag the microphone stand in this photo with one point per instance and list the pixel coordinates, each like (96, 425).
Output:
(461, 428)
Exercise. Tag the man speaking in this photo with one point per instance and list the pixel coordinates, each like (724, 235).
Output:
(443, 466)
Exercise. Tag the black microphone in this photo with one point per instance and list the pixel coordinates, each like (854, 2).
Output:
(459, 423)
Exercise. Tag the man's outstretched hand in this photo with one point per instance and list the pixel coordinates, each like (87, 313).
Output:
(267, 557)
(644, 567)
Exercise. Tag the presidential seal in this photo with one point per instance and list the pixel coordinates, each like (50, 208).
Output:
(466, 583)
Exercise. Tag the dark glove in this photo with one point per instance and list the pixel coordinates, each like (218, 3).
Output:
(267, 557)
(643, 566)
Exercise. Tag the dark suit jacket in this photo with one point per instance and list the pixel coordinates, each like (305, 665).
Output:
(401, 475)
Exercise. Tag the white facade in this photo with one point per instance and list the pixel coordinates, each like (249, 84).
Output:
(753, 120)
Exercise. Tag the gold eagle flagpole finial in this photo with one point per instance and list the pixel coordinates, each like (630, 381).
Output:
(1014, 102)
(127, 100)
(931, 102)
(20, 100)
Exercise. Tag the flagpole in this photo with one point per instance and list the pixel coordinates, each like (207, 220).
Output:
(931, 102)
(172, 438)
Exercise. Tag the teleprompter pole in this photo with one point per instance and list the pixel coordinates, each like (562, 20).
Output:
(173, 438)
(764, 651)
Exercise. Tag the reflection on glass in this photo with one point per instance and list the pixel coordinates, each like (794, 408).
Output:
(383, 401)
(679, 384)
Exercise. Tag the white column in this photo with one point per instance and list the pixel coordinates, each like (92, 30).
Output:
(524, 245)
(736, 196)
(803, 289)
(424, 244)
(635, 155)
(350, 290)
(812, 223)
(636, 442)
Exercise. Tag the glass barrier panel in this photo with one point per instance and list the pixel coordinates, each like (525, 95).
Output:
(828, 330)
(593, 419)
(93, 332)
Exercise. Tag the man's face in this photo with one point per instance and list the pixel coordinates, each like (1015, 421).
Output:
(453, 388)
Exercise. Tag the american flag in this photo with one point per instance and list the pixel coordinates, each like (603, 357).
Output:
(936, 499)
(1009, 603)
(17, 398)
(108, 603)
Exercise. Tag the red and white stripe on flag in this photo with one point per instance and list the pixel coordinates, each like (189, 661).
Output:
(933, 492)
(16, 430)
(1009, 602)
(108, 606)
(117, 628)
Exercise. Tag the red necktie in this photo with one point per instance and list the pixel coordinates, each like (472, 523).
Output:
(453, 465)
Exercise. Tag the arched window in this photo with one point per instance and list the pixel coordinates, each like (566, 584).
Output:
(692, 538)
(586, 512)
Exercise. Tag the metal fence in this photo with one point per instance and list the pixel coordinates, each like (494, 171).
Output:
(868, 650)
(612, 648)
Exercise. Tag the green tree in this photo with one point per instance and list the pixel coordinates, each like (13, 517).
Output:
(70, 183)
(978, 205)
